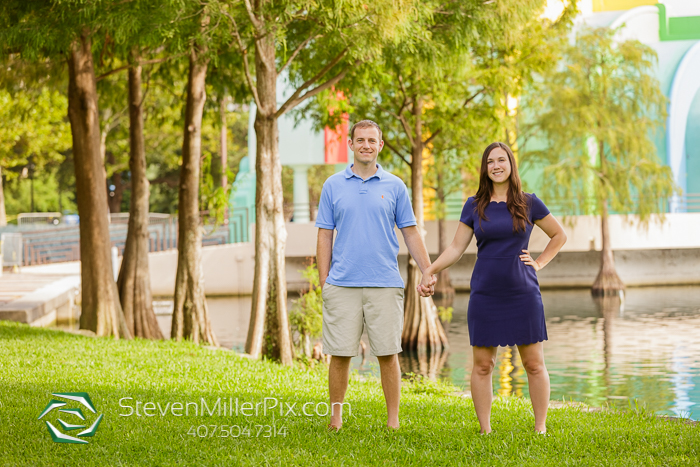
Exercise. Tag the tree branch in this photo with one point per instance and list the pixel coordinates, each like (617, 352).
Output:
(290, 104)
(396, 151)
(381, 107)
(246, 67)
(141, 62)
(437, 132)
(294, 99)
(297, 50)
(472, 97)
(257, 24)
(407, 129)
(111, 72)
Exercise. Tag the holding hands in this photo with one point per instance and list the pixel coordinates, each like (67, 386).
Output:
(426, 288)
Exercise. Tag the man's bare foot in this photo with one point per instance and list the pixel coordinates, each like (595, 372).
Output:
(335, 428)
(392, 427)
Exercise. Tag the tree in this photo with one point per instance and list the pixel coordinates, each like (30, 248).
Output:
(448, 90)
(603, 110)
(75, 32)
(134, 276)
(101, 310)
(191, 315)
(134, 281)
(33, 124)
(327, 40)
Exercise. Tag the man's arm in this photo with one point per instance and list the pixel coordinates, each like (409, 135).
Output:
(324, 251)
(416, 247)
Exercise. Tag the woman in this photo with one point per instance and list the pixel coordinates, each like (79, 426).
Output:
(505, 305)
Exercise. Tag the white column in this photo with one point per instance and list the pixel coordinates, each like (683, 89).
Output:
(301, 194)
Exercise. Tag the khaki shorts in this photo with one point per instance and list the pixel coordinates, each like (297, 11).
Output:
(347, 310)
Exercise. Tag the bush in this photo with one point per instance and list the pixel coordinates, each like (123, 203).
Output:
(306, 315)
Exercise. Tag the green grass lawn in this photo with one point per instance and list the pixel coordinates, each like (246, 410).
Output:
(437, 428)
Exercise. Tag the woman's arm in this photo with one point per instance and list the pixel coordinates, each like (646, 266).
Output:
(448, 257)
(557, 237)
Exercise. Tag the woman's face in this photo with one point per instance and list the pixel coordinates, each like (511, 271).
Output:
(498, 166)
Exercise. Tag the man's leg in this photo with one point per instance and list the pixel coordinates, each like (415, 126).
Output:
(342, 329)
(338, 375)
(383, 308)
(391, 384)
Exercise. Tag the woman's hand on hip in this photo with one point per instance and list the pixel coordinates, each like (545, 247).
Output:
(527, 259)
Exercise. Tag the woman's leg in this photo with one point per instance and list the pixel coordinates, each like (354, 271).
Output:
(532, 356)
(482, 388)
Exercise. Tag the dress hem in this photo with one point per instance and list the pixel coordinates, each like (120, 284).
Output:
(510, 345)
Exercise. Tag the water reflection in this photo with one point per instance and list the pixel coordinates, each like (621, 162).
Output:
(229, 319)
(645, 347)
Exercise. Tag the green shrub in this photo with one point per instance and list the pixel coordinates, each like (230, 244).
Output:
(306, 315)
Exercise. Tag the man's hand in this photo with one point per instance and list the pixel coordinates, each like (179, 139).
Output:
(426, 288)
(324, 249)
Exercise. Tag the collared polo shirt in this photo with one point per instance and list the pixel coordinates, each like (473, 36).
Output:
(364, 212)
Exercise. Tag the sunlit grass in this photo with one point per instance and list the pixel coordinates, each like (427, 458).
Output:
(438, 428)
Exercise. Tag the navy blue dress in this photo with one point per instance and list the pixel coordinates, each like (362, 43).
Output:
(505, 305)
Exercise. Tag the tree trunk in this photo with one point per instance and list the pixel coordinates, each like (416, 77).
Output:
(116, 205)
(269, 331)
(3, 214)
(101, 311)
(443, 289)
(190, 314)
(608, 282)
(134, 282)
(219, 165)
(115, 201)
(422, 329)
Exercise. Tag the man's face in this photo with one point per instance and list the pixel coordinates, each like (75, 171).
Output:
(366, 145)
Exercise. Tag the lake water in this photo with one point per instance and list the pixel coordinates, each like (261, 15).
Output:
(646, 349)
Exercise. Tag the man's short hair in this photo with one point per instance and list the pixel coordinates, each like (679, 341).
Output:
(365, 124)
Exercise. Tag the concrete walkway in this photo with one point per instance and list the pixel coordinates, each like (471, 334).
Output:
(39, 295)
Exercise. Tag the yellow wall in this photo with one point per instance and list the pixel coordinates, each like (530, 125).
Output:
(613, 5)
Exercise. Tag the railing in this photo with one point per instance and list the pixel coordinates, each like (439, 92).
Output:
(239, 220)
(689, 202)
(38, 219)
(48, 243)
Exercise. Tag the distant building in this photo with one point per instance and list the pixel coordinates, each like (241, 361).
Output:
(300, 147)
(672, 29)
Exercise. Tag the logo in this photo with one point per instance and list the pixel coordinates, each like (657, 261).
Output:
(71, 414)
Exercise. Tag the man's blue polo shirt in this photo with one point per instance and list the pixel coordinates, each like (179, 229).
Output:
(364, 212)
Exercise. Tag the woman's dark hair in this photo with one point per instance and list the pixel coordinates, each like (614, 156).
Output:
(517, 201)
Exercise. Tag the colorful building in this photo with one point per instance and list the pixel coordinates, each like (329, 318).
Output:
(672, 29)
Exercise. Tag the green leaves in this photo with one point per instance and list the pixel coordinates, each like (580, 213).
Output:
(604, 110)
(33, 123)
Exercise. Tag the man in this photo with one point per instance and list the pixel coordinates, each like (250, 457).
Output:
(362, 286)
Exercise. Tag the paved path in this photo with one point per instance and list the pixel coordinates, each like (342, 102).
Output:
(37, 295)
(14, 286)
